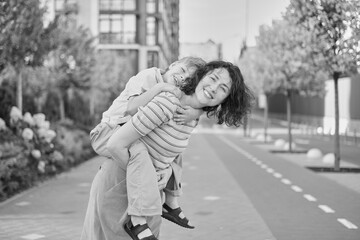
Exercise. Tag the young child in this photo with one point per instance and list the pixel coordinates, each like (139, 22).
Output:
(139, 90)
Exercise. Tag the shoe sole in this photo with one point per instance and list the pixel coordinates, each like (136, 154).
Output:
(170, 218)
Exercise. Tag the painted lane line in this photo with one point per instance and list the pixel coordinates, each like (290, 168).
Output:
(277, 175)
(32, 236)
(231, 144)
(347, 223)
(285, 181)
(310, 198)
(270, 170)
(326, 209)
(211, 198)
(22, 204)
(296, 188)
(264, 166)
(258, 162)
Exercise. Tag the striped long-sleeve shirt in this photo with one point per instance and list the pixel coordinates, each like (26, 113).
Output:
(162, 136)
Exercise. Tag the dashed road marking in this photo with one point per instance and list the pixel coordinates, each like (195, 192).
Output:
(277, 175)
(22, 204)
(211, 198)
(326, 209)
(347, 223)
(285, 181)
(310, 198)
(85, 184)
(296, 188)
(32, 236)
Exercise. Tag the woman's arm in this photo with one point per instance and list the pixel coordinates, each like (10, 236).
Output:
(119, 142)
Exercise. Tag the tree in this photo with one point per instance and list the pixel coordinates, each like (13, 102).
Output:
(288, 60)
(72, 61)
(336, 28)
(23, 38)
(37, 82)
(253, 67)
(109, 76)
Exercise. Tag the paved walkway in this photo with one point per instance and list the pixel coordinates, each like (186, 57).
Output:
(55, 209)
(213, 200)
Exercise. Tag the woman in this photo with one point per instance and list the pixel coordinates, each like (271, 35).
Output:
(218, 88)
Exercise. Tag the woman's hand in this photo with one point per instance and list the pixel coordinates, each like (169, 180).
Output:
(186, 114)
(163, 177)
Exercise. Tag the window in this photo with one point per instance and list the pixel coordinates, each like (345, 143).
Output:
(152, 59)
(117, 28)
(117, 5)
(151, 6)
(150, 31)
(59, 5)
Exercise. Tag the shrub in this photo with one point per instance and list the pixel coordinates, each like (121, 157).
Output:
(30, 151)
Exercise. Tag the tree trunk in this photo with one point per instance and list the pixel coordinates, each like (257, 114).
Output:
(288, 111)
(92, 102)
(61, 105)
(245, 125)
(266, 118)
(19, 101)
(337, 140)
(38, 105)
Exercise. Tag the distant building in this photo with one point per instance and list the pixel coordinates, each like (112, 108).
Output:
(207, 50)
(145, 32)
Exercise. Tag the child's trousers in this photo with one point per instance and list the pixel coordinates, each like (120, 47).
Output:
(143, 194)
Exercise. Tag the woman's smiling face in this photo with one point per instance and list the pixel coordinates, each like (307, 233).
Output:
(214, 87)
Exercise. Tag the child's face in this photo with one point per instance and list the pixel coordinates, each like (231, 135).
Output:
(177, 73)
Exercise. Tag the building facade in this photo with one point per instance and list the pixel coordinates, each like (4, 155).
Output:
(145, 32)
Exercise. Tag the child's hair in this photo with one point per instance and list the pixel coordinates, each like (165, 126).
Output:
(237, 105)
(192, 62)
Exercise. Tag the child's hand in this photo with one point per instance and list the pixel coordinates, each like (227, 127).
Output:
(186, 114)
(167, 87)
(163, 177)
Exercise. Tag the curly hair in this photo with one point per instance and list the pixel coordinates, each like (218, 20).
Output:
(239, 102)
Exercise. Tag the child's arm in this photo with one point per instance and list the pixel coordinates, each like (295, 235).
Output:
(143, 99)
(186, 114)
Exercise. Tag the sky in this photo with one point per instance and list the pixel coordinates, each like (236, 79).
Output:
(226, 21)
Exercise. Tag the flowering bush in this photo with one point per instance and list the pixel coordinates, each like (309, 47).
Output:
(28, 152)
(2, 125)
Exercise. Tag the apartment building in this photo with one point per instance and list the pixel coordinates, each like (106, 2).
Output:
(145, 32)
